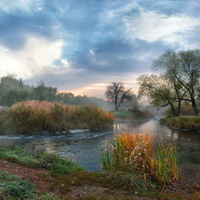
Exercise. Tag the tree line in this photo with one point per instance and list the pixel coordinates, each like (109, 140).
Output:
(14, 90)
(178, 80)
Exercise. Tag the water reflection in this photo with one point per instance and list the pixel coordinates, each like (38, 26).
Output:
(82, 145)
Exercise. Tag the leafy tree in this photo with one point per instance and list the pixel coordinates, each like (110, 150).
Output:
(13, 90)
(162, 91)
(118, 94)
(184, 66)
(44, 92)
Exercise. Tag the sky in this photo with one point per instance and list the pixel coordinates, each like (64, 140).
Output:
(81, 46)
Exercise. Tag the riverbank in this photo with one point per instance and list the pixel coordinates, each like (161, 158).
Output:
(185, 123)
(132, 114)
(63, 179)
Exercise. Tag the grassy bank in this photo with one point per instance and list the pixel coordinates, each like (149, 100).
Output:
(188, 123)
(38, 158)
(133, 113)
(131, 163)
(123, 114)
(33, 116)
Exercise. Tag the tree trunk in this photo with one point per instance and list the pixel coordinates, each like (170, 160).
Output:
(178, 109)
(173, 110)
(194, 107)
(116, 107)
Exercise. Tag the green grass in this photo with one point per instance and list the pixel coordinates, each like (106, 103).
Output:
(117, 174)
(122, 114)
(38, 158)
(12, 187)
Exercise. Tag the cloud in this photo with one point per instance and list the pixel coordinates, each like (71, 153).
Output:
(152, 26)
(36, 56)
(116, 57)
(76, 45)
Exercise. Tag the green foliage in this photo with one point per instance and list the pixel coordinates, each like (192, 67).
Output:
(11, 187)
(122, 114)
(13, 90)
(183, 69)
(38, 158)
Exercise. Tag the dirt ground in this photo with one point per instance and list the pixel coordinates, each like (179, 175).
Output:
(187, 188)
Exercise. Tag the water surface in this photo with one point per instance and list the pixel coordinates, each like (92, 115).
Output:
(83, 145)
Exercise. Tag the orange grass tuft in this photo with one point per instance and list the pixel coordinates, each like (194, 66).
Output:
(137, 153)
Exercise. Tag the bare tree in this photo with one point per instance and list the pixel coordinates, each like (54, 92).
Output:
(118, 94)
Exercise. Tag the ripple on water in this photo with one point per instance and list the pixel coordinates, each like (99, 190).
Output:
(82, 145)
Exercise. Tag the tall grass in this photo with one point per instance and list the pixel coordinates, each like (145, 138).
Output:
(32, 116)
(137, 153)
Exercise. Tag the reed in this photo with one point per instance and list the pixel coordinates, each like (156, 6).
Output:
(30, 116)
(137, 153)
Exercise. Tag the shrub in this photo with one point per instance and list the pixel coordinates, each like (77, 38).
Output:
(189, 123)
(33, 116)
(141, 113)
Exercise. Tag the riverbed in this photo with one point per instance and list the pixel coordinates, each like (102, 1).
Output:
(83, 146)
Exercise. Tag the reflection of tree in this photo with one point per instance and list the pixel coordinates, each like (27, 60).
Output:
(129, 126)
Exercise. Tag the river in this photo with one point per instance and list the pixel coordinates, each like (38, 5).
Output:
(83, 146)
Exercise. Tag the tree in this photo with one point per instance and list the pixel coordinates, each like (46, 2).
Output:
(45, 92)
(184, 66)
(13, 90)
(162, 91)
(118, 94)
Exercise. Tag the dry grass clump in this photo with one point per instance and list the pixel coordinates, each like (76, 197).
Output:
(137, 153)
(32, 116)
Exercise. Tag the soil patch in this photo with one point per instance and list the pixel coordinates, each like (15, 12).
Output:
(187, 188)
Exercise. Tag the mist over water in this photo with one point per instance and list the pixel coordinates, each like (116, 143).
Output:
(83, 146)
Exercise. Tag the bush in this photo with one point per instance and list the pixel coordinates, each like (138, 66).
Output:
(33, 116)
(141, 113)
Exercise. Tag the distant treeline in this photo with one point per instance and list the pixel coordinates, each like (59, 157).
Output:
(14, 90)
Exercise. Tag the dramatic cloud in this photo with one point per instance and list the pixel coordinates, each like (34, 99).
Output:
(81, 46)
(152, 26)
